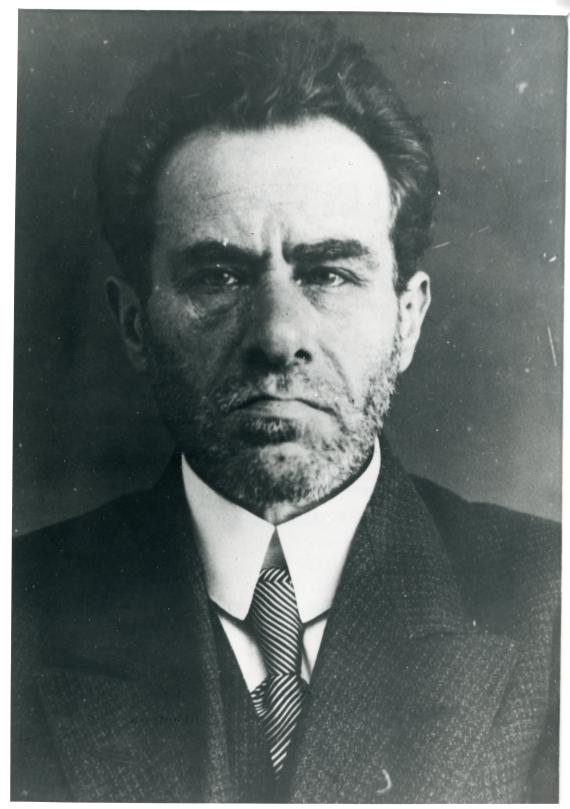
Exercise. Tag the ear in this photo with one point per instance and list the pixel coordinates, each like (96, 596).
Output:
(414, 303)
(126, 308)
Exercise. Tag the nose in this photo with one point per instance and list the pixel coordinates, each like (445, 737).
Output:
(279, 325)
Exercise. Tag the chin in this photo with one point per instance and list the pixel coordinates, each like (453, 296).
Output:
(287, 472)
(301, 471)
(260, 462)
(276, 443)
(278, 459)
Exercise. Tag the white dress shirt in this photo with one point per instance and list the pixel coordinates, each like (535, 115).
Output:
(235, 545)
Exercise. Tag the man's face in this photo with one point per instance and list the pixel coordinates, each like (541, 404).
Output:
(272, 332)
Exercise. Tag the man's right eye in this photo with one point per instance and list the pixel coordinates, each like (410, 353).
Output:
(216, 278)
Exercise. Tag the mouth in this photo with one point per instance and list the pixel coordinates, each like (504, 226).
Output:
(280, 405)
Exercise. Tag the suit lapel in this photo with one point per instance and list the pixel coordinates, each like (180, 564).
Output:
(137, 713)
(403, 691)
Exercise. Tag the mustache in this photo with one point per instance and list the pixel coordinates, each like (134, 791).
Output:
(237, 392)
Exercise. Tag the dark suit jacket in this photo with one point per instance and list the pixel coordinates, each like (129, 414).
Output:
(436, 680)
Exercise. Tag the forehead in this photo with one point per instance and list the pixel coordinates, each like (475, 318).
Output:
(313, 180)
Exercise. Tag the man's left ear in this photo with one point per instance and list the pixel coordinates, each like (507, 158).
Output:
(414, 303)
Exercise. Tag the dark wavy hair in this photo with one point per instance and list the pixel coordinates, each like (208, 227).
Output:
(250, 77)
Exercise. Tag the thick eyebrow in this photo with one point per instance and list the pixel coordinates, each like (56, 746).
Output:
(327, 250)
(211, 250)
(316, 252)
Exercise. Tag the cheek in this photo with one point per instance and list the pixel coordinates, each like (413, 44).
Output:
(363, 348)
(186, 330)
(365, 331)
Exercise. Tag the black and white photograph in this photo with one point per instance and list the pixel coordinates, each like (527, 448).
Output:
(287, 407)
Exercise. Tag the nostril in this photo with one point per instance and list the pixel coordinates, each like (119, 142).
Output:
(261, 360)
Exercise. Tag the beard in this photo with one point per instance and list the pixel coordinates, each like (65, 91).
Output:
(259, 461)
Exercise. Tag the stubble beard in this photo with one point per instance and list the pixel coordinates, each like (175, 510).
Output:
(261, 462)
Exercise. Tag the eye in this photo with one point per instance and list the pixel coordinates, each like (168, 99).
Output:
(322, 276)
(217, 277)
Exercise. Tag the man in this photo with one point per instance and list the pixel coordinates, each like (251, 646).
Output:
(287, 615)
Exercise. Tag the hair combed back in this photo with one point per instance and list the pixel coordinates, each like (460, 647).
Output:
(250, 77)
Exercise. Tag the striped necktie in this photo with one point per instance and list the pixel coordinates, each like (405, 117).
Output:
(279, 631)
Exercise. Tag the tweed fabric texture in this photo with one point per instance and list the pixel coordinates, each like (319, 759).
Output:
(436, 679)
(251, 771)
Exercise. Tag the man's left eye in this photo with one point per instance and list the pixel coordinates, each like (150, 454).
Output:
(322, 276)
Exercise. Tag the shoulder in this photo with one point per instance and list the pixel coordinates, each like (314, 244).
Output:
(505, 531)
(75, 550)
(86, 530)
(507, 560)
(133, 537)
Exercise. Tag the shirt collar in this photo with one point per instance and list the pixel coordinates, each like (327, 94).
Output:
(232, 543)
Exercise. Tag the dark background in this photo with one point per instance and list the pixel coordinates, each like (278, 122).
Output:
(480, 409)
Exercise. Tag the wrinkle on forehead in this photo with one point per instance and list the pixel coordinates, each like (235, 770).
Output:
(313, 181)
(320, 147)
(204, 195)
